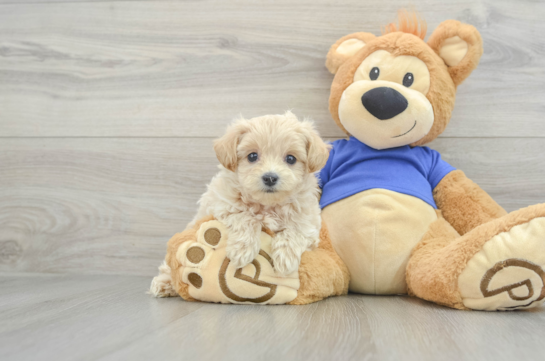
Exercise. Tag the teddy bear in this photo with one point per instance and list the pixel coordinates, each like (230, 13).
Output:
(396, 218)
(200, 263)
(201, 271)
(401, 218)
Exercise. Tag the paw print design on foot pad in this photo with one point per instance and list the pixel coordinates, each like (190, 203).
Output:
(518, 291)
(508, 273)
(212, 278)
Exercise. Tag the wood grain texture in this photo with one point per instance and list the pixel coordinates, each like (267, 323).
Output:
(107, 113)
(96, 205)
(13, 2)
(78, 318)
(108, 109)
(185, 68)
(110, 318)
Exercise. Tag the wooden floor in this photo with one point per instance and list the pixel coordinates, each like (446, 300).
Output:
(108, 109)
(54, 317)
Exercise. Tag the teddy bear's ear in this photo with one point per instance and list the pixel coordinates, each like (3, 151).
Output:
(345, 48)
(459, 45)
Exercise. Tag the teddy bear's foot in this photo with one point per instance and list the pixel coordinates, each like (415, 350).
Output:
(508, 272)
(211, 277)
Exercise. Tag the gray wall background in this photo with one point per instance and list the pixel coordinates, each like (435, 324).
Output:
(108, 110)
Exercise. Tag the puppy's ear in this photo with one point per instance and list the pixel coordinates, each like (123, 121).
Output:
(226, 146)
(459, 45)
(317, 149)
(345, 48)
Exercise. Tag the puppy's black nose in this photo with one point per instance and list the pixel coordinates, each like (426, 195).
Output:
(270, 179)
(384, 102)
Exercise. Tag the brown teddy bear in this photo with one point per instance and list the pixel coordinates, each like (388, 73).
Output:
(402, 219)
(202, 272)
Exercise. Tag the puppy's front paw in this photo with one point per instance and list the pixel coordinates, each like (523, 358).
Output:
(242, 249)
(285, 261)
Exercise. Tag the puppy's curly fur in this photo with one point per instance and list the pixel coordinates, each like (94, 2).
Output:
(243, 197)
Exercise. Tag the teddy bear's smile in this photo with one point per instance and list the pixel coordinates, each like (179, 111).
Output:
(385, 114)
(392, 94)
(407, 132)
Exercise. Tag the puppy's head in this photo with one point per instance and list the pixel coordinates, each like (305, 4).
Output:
(272, 155)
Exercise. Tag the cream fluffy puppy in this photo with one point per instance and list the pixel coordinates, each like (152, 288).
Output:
(266, 178)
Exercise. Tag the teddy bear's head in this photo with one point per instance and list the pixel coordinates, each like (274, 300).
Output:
(395, 89)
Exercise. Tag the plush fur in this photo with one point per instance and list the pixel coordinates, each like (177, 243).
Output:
(470, 229)
(442, 92)
(321, 272)
(464, 204)
(238, 197)
(468, 218)
(334, 60)
(438, 261)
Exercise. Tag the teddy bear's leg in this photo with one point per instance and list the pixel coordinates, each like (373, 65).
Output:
(498, 265)
(201, 271)
(322, 273)
(172, 262)
(425, 255)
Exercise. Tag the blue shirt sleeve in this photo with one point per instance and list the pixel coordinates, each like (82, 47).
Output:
(438, 168)
(323, 176)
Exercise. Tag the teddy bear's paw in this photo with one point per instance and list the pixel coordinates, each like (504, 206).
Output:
(213, 278)
(508, 273)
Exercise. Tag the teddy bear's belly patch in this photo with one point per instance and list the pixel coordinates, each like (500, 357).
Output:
(374, 233)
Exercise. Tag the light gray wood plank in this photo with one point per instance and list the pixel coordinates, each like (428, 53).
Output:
(110, 318)
(353, 327)
(78, 318)
(16, 2)
(110, 205)
(94, 205)
(187, 68)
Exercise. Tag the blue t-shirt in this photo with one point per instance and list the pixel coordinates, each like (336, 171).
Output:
(354, 167)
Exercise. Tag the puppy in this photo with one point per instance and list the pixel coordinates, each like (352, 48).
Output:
(266, 178)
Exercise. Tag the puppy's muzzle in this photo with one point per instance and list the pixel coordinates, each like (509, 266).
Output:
(384, 102)
(270, 179)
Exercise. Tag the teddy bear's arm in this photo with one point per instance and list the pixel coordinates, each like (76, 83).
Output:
(463, 203)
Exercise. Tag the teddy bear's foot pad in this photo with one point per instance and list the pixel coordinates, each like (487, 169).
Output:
(212, 278)
(508, 273)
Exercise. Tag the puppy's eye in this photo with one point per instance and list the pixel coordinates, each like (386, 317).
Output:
(291, 159)
(374, 73)
(408, 79)
(252, 157)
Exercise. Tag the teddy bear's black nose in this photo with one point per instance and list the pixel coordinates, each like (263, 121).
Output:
(384, 102)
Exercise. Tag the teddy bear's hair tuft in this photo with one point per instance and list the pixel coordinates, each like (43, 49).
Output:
(408, 22)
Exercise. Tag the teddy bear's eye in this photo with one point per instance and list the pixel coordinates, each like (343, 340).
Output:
(252, 157)
(408, 79)
(291, 159)
(374, 73)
